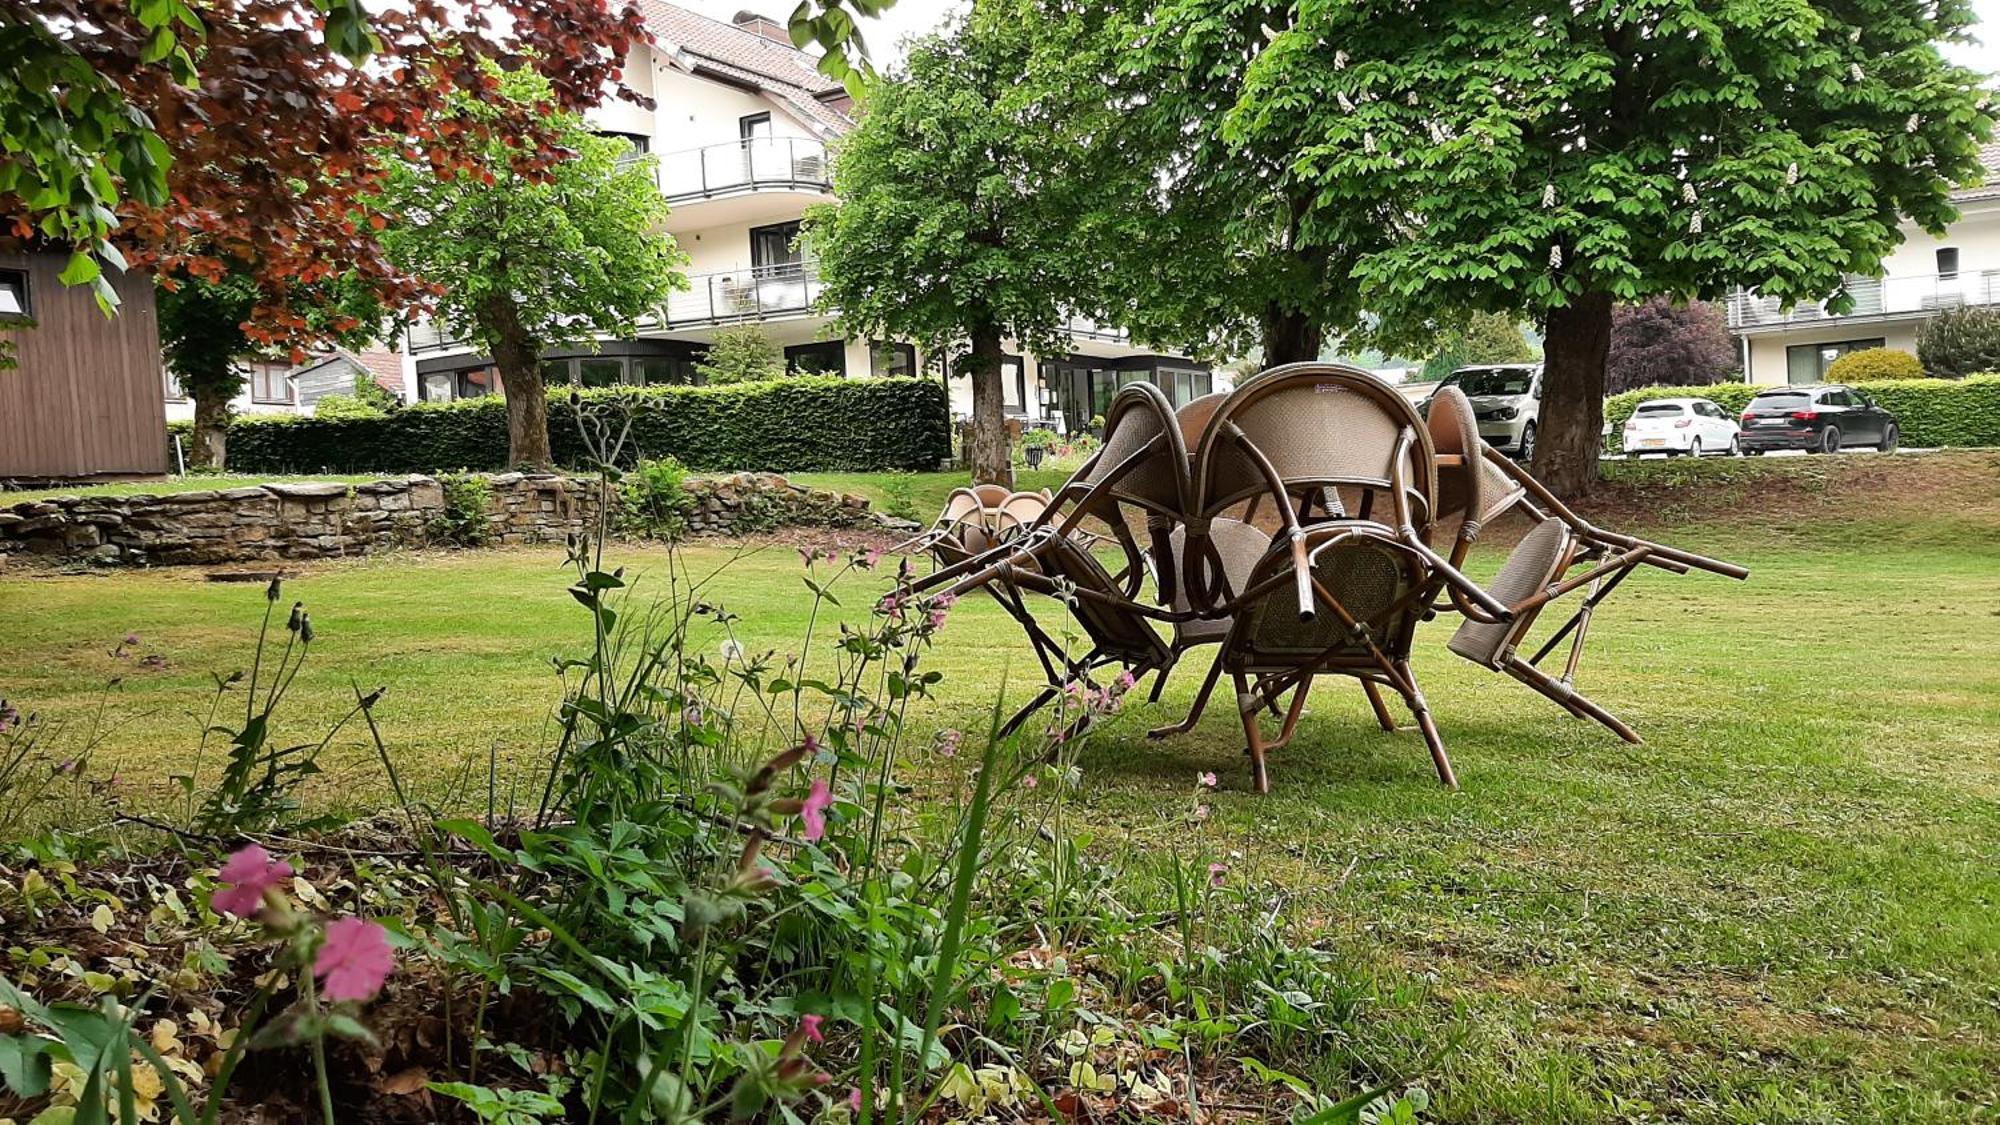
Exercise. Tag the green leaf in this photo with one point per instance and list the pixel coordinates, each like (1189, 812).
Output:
(82, 268)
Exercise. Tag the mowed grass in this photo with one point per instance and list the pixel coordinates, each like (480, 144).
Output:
(1784, 907)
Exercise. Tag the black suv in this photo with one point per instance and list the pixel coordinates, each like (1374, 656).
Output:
(1821, 419)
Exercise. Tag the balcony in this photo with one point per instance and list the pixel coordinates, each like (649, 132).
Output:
(1083, 328)
(736, 296)
(760, 180)
(1875, 298)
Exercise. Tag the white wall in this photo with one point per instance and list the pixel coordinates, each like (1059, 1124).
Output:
(1767, 353)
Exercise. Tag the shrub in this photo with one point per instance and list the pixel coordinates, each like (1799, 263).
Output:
(794, 425)
(899, 496)
(1960, 342)
(1930, 412)
(344, 406)
(655, 497)
(742, 354)
(464, 521)
(1871, 364)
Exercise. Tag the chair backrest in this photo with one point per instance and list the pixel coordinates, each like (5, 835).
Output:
(1194, 415)
(1143, 438)
(1475, 490)
(1020, 510)
(992, 495)
(1239, 546)
(1534, 565)
(1321, 426)
(1114, 629)
(1372, 576)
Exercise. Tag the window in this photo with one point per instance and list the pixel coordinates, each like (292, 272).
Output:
(1947, 263)
(1013, 385)
(1807, 363)
(478, 382)
(663, 370)
(756, 126)
(828, 357)
(174, 391)
(14, 304)
(269, 383)
(1494, 381)
(556, 372)
(892, 359)
(774, 250)
(1835, 398)
(1184, 385)
(601, 371)
(1664, 409)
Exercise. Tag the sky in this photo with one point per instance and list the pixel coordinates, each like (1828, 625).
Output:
(915, 17)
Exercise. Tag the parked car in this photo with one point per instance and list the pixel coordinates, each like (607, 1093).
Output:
(1506, 401)
(1817, 419)
(1674, 426)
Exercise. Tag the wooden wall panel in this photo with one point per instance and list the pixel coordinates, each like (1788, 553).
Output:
(87, 397)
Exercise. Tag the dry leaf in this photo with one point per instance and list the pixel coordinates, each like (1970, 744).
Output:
(405, 1081)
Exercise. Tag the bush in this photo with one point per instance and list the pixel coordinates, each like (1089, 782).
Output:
(655, 498)
(1930, 412)
(1872, 364)
(797, 425)
(742, 354)
(464, 521)
(344, 406)
(1960, 342)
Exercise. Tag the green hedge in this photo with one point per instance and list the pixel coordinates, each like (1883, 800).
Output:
(793, 425)
(1930, 412)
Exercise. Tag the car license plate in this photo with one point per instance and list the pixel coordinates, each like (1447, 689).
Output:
(1653, 441)
(1770, 421)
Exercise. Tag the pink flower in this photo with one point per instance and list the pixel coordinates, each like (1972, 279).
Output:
(870, 558)
(1206, 778)
(354, 959)
(940, 609)
(1031, 782)
(810, 1025)
(813, 812)
(1201, 812)
(947, 743)
(1215, 873)
(131, 639)
(854, 1099)
(1125, 681)
(249, 873)
(892, 607)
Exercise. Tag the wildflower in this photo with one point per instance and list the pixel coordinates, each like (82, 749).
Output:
(892, 606)
(1215, 873)
(353, 960)
(810, 1025)
(250, 873)
(130, 640)
(940, 609)
(732, 651)
(947, 743)
(854, 1099)
(1125, 681)
(871, 558)
(1206, 778)
(813, 812)
(1201, 812)
(1031, 782)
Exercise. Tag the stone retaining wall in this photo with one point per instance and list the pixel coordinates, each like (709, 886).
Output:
(324, 519)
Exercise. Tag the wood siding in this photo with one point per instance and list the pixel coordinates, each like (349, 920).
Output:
(87, 396)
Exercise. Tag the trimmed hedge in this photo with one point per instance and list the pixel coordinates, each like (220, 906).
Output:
(792, 425)
(1930, 412)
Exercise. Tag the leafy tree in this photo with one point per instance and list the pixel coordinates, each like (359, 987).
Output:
(966, 216)
(1554, 161)
(1661, 343)
(741, 354)
(1960, 342)
(369, 400)
(1484, 338)
(374, 395)
(527, 260)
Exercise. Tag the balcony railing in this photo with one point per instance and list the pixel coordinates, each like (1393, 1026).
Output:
(737, 167)
(1088, 329)
(764, 293)
(1913, 295)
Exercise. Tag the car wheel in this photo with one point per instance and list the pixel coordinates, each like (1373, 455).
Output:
(1735, 446)
(1527, 454)
(1829, 440)
(1890, 438)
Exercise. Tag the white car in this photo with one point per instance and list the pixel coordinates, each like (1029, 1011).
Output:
(1675, 426)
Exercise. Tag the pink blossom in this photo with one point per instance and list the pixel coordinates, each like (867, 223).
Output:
(854, 1099)
(1201, 812)
(1206, 778)
(810, 1025)
(813, 812)
(870, 558)
(1215, 873)
(354, 959)
(1031, 782)
(131, 639)
(892, 607)
(940, 609)
(249, 873)
(1125, 681)
(947, 743)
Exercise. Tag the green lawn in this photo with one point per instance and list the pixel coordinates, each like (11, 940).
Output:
(1784, 907)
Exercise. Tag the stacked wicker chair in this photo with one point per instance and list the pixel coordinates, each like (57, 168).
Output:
(1290, 524)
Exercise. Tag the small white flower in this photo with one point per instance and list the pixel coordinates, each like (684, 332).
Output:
(1694, 223)
(1345, 105)
(732, 651)
(1792, 174)
(1549, 196)
(1411, 97)
(1555, 257)
(1854, 35)
(1340, 60)
(1910, 126)
(1437, 133)
(1855, 72)
(1687, 192)
(1368, 143)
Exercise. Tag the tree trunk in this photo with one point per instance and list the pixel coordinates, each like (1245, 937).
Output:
(210, 446)
(520, 367)
(988, 454)
(1289, 336)
(1572, 415)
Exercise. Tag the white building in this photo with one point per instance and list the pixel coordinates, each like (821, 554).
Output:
(287, 388)
(1922, 276)
(739, 144)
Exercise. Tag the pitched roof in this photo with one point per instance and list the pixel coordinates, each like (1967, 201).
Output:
(776, 69)
(1989, 157)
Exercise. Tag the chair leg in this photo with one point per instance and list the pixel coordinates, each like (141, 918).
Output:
(1200, 704)
(1041, 700)
(1247, 707)
(1576, 702)
(1382, 716)
(1292, 714)
(1270, 701)
(1160, 681)
(1414, 696)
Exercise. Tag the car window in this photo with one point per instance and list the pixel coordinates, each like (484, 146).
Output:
(1781, 400)
(1835, 398)
(1707, 410)
(1495, 381)
(1860, 399)
(1664, 409)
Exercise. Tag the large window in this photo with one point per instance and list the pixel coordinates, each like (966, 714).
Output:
(1807, 363)
(269, 384)
(14, 304)
(1184, 385)
(664, 370)
(892, 359)
(773, 249)
(1013, 385)
(828, 357)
